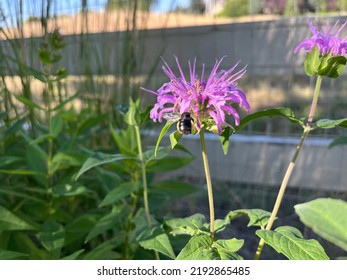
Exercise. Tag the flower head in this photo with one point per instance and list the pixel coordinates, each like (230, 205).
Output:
(206, 99)
(326, 40)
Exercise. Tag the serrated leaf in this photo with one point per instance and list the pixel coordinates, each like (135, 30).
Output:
(220, 225)
(327, 217)
(289, 241)
(257, 217)
(9, 221)
(326, 123)
(69, 189)
(193, 225)
(198, 248)
(154, 238)
(341, 140)
(175, 138)
(227, 248)
(118, 193)
(273, 112)
(161, 135)
(99, 159)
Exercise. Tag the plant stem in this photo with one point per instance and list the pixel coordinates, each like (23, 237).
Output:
(144, 180)
(144, 177)
(291, 165)
(208, 182)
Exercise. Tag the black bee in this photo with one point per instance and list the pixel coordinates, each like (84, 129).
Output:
(185, 123)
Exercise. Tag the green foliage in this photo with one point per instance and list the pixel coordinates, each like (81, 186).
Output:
(327, 65)
(201, 247)
(234, 8)
(327, 218)
(290, 242)
(154, 238)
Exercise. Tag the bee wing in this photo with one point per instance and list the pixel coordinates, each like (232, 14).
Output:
(172, 117)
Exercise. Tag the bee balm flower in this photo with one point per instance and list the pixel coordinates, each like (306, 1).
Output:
(326, 40)
(206, 99)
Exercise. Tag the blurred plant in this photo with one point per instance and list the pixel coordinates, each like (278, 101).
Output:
(136, 190)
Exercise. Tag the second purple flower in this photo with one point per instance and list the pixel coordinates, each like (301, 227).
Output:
(207, 100)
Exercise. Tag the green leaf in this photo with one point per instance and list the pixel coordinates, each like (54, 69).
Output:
(175, 138)
(99, 159)
(227, 248)
(73, 256)
(45, 56)
(21, 172)
(193, 225)
(224, 138)
(327, 217)
(133, 116)
(289, 241)
(78, 228)
(69, 189)
(198, 248)
(273, 112)
(333, 66)
(257, 217)
(154, 238)
(341, 140)
(37, 75)
(56, 125)
(64, 102)
(161, 135)
(125, 140)
(28, 103)
(52, 235)
(64, 160)
(9, 221)
(169, 189)
(109, 221)
(7, 160)
(145, 115)
(105, 249)
(168, 164)
(118, 193)
(312, 62)
(37, 160)
(326, 123)
(11, 255)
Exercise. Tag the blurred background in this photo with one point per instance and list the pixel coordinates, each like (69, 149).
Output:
(110, 48)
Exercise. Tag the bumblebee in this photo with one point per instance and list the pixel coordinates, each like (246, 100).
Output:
(185, 123)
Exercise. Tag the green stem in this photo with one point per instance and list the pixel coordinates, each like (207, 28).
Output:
(291, 165)
(144, 177)
(144, 180)
(208, 182)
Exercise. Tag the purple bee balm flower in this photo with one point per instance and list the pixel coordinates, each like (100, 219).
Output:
(326, 40)
(206, 99)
